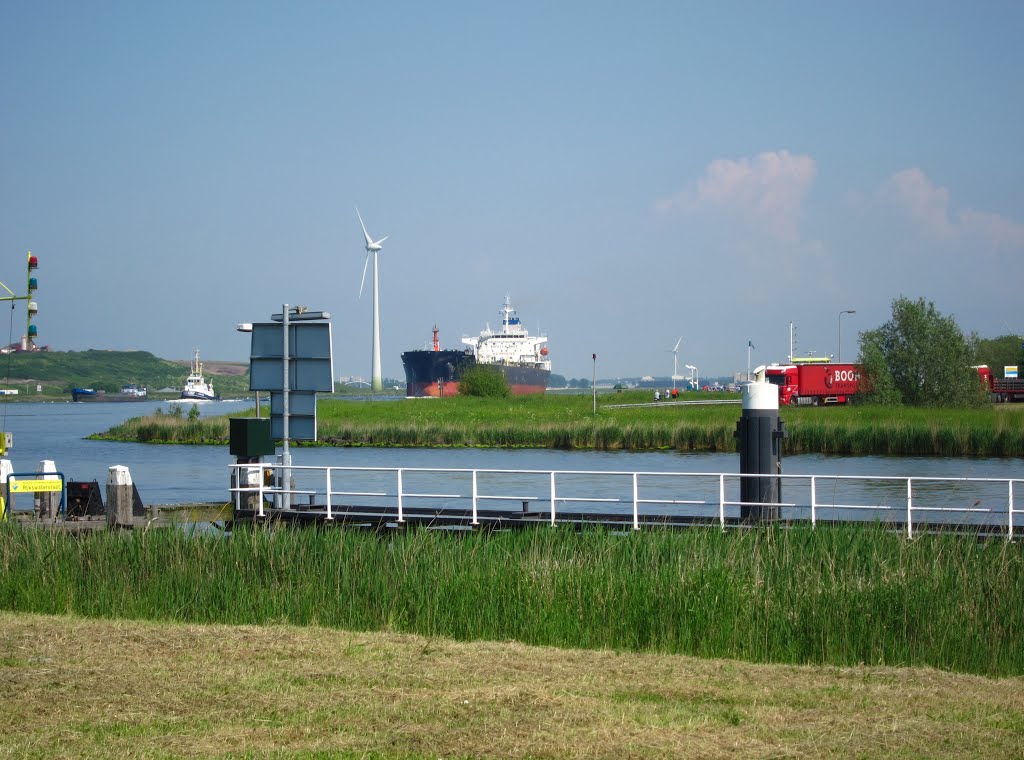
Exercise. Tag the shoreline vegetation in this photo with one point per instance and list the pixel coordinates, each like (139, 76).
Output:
(839, 595)
(568, 422)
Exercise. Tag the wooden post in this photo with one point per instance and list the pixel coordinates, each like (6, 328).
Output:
(47, 503)
(119, 497)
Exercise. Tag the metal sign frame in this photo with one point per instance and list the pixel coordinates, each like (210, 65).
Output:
(32, 476)
(310, 358)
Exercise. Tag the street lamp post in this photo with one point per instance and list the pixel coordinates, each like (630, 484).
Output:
(246, 327)
(840, 320)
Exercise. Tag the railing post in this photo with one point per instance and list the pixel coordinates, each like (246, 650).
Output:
(401, 517)
(475, 522)
(813, 498)
(260, 493)
(910, 507)
(329, 515)
(636, 505)
(1009, 513)
(721, 500)
(552, 498)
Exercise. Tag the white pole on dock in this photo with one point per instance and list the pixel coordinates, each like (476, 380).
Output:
(47, 503)
(120, 497)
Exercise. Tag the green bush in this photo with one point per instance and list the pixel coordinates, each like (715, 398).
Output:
(483, 381)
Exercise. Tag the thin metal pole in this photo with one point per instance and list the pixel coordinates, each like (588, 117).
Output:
(593, 384)
(813, 498)
(844, 311)
(261, 491)
(475, 493)
(721, 500)
(1009, 512)
(401, 515)
(552, 499)
(636, 506)
(286, 455)
(329, 515)
(910, 507)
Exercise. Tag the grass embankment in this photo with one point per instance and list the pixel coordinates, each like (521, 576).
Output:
(837, 595)
(60, 371)
(568, 422)
(112, 689)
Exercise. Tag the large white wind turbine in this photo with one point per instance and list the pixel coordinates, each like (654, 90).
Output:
(675, 362)
(373, 246)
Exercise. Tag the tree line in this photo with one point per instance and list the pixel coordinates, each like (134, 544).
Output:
(921, 357)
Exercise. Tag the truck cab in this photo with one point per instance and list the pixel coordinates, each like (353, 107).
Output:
(785, 377)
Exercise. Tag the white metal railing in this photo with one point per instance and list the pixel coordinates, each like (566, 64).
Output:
(639, 497)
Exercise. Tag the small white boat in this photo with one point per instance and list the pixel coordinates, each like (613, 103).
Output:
(196, 387)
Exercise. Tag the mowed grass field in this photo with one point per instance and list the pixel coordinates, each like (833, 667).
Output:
(78, 688)
(569, 422)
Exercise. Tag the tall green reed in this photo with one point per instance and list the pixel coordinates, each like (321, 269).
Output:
(839, 595)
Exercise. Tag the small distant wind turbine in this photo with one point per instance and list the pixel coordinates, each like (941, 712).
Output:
(373, 246)
(675, 362)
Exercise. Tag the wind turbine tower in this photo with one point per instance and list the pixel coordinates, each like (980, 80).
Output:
(373, 247)
(675, 363)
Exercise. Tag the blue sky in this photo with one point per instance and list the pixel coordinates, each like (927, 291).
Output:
(628, 173)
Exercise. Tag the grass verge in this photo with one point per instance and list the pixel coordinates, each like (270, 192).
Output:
(93, 689)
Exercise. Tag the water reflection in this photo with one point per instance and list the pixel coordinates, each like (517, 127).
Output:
(184, 474)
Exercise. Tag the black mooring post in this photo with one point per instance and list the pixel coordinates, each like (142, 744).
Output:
(760, 432)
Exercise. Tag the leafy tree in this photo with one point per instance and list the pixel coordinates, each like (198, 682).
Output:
(876, 380)
(1000, 352)
(193, 413)
(481, 380)
(919, 357)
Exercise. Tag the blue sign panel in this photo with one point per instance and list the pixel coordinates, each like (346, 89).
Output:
(310, 360)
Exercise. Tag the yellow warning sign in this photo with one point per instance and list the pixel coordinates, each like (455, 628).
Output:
(26, 486)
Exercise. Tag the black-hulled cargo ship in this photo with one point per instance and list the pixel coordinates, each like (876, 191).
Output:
(130, 392)
(511, 350)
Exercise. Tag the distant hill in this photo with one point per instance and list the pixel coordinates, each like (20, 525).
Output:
(60, 371)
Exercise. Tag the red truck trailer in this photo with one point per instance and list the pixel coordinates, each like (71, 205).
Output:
(1007, 388)
(814, 384)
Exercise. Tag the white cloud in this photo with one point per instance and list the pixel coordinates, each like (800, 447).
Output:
(912, 193)
(998, 230)
(767, 191)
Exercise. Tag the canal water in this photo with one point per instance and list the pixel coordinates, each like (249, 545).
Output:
(184, 474)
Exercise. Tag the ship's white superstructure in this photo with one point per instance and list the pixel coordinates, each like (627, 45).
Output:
(196, 388)
(511, 344)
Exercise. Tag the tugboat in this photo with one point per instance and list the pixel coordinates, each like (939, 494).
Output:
(520, 357)
(196, 387)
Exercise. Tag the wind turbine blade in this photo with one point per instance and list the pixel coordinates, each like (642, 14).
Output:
(365, 233)
(378, 242)
(362, 282)
(677, 344)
